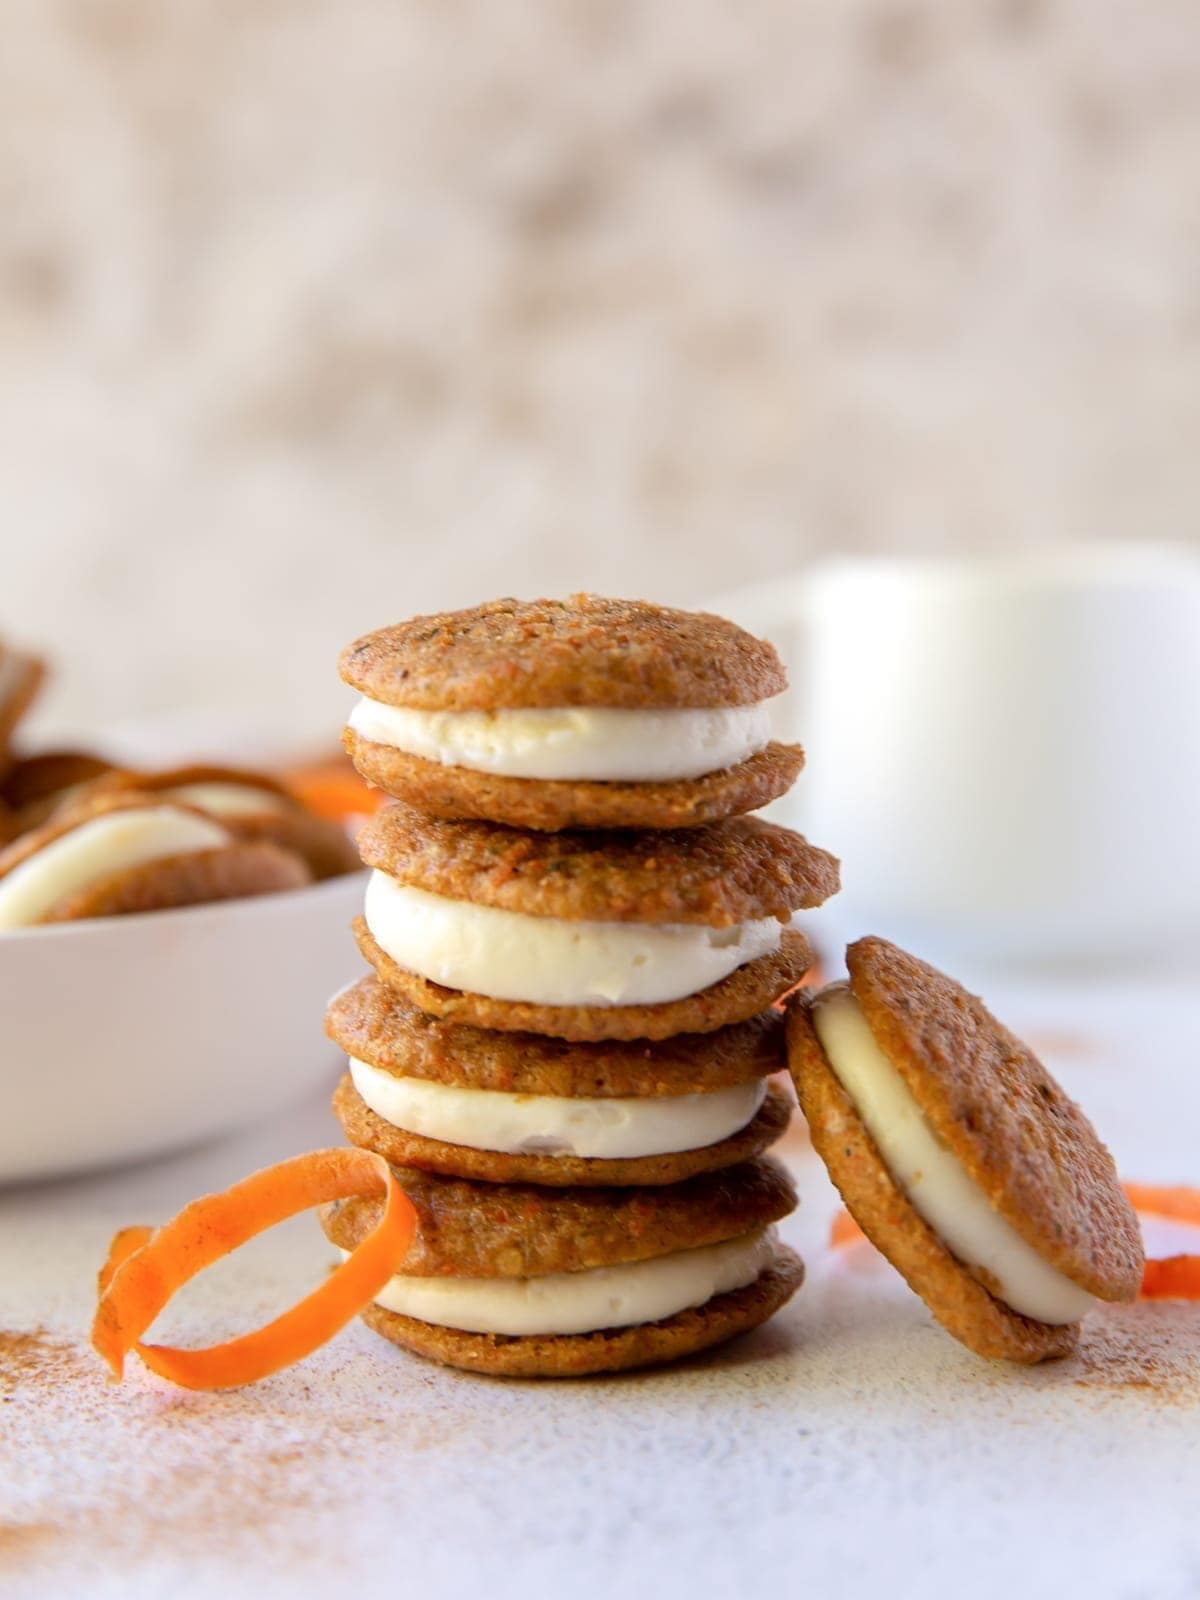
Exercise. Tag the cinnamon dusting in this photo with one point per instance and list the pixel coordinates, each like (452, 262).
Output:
(32, 1359)
(1152, 1347)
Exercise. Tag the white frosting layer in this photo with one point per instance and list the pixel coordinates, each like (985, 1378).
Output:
(96, 849)
(228, 799)
(933, 1179)
(546, 961)
(579, 743)
(537, 1124)
(581, 1302)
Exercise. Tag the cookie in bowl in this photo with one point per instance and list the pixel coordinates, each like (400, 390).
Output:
(37, 785)
(577, 713)
(123, 853)
(252, 806)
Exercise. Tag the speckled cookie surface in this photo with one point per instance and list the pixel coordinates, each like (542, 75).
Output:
(582, 651)
(375, 1024)
(745, 992)
(646, 1344)
(717, 875)
(468, 1229)
(325, 846)
(364, 1127)
(234, 871)
(959, 1301)
(990, 1100)
(457, 793)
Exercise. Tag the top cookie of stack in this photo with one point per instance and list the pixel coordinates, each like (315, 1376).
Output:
(579, 713)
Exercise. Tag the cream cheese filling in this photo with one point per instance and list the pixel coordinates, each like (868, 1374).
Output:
(574, 743)
(933, 1179)
(536, 1124)
(582, 1302)
(96, 849)
(508, 955)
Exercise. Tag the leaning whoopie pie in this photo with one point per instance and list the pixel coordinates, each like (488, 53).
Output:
(588, 934)
(251, 805)
(132, 852)
(526, 1108)
(960, 1157)
(578, 713)
(522, 1281)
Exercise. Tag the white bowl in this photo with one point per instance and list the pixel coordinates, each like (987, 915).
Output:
(125, 1037)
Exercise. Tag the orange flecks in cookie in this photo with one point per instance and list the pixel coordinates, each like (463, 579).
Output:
(145, 1269)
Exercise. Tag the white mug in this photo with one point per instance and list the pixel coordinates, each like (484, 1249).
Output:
(1005, 752)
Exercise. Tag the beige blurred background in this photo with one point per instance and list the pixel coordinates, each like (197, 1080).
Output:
(313, 315)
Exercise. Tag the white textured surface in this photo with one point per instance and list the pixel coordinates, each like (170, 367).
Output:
(848, 1449)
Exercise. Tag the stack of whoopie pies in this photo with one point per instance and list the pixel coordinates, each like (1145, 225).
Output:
(577, 936)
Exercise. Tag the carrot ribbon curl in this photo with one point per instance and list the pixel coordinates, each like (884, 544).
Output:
(146, 1267)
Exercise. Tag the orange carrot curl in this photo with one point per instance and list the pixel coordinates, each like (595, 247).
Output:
(1172, 1278)
(1176, 1201)
(145, 1268)
(333, 790)
(844, 1231)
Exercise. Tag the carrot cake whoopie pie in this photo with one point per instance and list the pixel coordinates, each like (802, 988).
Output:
(588, 934)
(251, 805)
(526, 1108)
(960, 1157)
(123, 853)
(521, 1281)
(576, 713)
